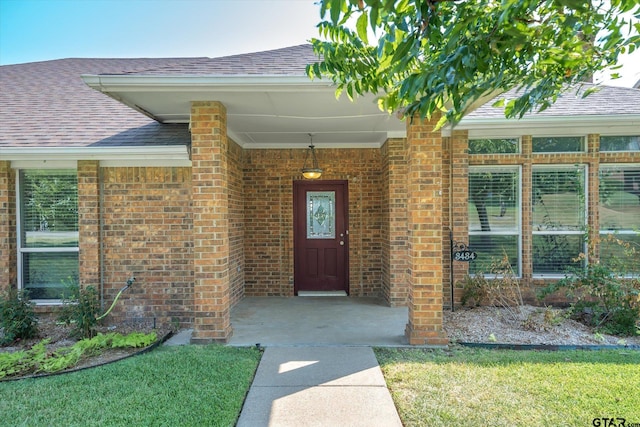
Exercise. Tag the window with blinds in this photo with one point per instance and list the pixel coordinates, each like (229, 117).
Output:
(494, 217)
(559, 218)
(619, 212)
(48, 232)
(558, 144)
(620, 143)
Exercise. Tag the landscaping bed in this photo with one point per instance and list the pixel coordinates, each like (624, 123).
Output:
(530, 325)
(59, 337)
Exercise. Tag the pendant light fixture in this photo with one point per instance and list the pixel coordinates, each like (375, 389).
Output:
(312, 171)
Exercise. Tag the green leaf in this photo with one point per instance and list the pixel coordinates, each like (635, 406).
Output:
(335, 10)
(361, 26)
(402, 50)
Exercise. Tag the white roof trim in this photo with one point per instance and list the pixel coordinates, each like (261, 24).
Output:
(541, 120)
(544, 126)
(248, 83)
(170, 155)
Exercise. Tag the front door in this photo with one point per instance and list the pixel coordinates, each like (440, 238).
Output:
(321, 244)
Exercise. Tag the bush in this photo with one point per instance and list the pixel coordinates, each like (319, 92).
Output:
(81, 310)
(17, 317)
(602, 298)
(503, 290)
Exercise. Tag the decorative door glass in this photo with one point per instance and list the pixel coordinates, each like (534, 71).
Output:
(321, 214)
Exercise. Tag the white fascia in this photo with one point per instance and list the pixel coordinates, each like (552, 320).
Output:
(247, 83)
(621, 124)
(47, 157)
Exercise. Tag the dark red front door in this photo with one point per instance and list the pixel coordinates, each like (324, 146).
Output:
(321, 242)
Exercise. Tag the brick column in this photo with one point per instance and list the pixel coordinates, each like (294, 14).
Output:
(425, 233)
(89, 223)
(459, 204)
(593, 196)
(209, 152)
(8, 264)
(398, 281)
(526, 142)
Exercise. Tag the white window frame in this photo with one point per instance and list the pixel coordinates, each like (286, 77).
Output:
(22, 250)
(518, 169)
(582, 137)
(607, 232)
(619, 151)
(559, 167)
(517, 152)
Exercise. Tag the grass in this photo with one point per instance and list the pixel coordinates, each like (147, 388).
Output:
(186, 385)
(463, 387)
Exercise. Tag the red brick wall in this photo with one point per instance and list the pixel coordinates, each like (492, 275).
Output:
(236, 223)
(8, 241)
(89, 223)
(147, 229)
(394, 222)
(268, 190)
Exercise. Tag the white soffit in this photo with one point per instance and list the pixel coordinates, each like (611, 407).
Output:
(262, 111)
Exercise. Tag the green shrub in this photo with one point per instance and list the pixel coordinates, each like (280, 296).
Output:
(602, 298)
(502, 290)
(38, 359)
(17, 317)
(81, 310)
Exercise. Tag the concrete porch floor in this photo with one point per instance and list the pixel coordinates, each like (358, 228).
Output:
(324, 321)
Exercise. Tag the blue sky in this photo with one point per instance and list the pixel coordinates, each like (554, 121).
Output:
(37, 30)
(34, 30)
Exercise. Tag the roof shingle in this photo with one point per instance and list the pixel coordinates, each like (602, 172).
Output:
(607, 100)
(46, 104)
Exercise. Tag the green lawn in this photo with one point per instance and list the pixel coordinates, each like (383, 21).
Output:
(170, 386)
(473, 387)
(196, 385)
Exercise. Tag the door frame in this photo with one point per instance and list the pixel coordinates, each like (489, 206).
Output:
(345, 213)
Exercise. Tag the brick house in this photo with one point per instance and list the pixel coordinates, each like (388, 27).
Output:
(186, 173)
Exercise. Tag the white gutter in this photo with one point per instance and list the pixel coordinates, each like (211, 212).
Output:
(247, 83)
(551, 121)
(574, 125)
(170, 155)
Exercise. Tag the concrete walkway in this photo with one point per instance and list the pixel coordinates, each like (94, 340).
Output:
(318, 386)
(318, 368)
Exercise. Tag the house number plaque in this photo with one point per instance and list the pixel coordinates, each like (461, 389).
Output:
(461, 252)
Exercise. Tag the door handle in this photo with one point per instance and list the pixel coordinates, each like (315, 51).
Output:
(341, 243)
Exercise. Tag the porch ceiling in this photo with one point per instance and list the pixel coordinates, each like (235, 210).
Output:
(262, 111)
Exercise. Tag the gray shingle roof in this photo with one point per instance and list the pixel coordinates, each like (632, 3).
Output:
(290, 61)
(608, 100)
(46, 104)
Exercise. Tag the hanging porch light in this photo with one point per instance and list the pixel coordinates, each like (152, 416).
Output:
(313, 171)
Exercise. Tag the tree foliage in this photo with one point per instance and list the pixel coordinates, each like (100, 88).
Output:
(446, 55)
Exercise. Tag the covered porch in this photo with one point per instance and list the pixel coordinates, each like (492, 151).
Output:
(248, 139)
(292, 321)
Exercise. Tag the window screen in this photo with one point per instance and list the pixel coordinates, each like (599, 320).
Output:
(559, 220)
(619, 188)
(48, 232)
(561, 144)
(494, 217)
(620, 143)
(494, 146)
